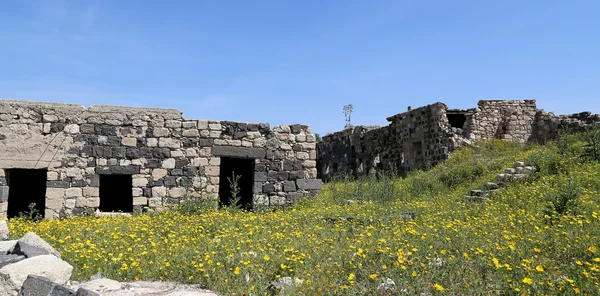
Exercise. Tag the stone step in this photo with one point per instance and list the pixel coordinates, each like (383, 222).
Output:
(510, 171)
(491, 186)
(518, 176)
(528, 169)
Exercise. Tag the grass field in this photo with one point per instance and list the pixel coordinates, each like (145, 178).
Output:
(539, 236)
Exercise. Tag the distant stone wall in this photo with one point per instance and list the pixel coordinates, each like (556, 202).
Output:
(510, 120)
(161, 150)
(425, 136)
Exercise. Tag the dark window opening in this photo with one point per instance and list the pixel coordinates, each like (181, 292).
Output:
(457, 119)
(244, 168)
(418, 154)
(25, 187)
(115, 193)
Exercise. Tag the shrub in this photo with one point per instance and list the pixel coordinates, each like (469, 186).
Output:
(563, 201)
(547, 162)
(591, 148)
(32, 214)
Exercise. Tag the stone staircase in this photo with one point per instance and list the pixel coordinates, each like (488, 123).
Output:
(519, 171)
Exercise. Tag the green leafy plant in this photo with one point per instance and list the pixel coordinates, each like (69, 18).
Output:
(32, 214)
(591, 148)
(234, 189)
(564, 201)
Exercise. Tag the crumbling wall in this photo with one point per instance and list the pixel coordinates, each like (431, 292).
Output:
(415, 139)
(509, 120)
(162, 151)
(425, 136)
(548, 126)
(355, 151)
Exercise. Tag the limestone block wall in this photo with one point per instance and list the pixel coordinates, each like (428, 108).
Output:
(510, 120)
(162, 151)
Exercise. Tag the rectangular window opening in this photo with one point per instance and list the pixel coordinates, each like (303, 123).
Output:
(244, 168)
(116, 193)
(456, 120)
(26, 187)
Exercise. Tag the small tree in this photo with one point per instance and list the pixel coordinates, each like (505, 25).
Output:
(348, 113)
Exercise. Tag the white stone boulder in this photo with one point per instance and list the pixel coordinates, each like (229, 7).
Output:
(7, 246)
(33, 239)
(12, 276)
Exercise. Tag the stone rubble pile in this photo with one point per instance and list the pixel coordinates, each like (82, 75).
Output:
(518, 172)
(30, 266)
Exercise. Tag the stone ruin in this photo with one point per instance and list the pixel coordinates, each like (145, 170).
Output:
(68, 159)
(426, 136)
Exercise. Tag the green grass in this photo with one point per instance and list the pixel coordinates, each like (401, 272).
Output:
(516, 243)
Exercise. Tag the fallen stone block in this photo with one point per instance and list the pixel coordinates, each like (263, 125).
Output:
(10, 259)
(48, 266)
(519, 164)
(36, 285)
(7, 246)
(510, 171)
(28, 250)
(86, 292)
(33, 239)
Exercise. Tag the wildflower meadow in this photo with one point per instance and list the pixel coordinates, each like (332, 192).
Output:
(538, 236)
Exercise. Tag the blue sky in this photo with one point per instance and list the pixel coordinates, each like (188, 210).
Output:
(287, 62)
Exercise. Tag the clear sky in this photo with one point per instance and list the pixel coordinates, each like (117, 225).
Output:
(287, 62)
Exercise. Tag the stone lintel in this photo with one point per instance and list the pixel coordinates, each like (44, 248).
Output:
(238, 152)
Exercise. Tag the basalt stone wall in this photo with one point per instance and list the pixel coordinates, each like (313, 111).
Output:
(163, 153)
(425, 136)
(414, 139)
(355, 151)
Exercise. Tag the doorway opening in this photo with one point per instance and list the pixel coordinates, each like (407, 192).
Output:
(116, 193)
(242, 170)
(26, 187)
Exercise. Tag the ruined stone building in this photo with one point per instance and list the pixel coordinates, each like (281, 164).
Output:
(428, 135)
(67, 159)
